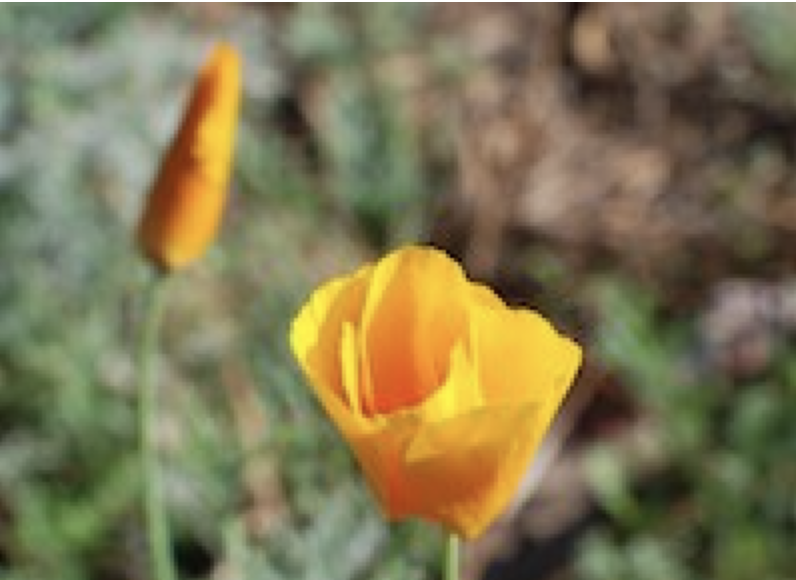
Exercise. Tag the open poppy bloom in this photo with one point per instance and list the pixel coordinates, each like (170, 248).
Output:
(443, 392)
(188, 196)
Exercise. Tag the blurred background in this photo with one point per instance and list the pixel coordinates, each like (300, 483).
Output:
(628, 171)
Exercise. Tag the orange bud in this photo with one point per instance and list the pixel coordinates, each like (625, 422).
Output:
(188, 196)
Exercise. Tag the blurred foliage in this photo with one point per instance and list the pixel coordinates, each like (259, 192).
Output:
(367, 137)
(724, 505)
(770, 28)
(86, 106)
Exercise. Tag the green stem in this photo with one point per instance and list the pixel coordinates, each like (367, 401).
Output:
(452, 558)
(156, 522)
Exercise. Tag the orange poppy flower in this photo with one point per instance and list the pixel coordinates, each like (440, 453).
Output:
(188, 196)
(443, 392)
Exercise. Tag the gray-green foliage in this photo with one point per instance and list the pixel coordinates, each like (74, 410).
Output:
(367, 138)
(88, 100)
(63, 479)
(770, 27)
(723, 506)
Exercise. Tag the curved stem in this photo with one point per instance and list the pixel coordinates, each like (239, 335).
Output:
(452, 558)
(156, 522)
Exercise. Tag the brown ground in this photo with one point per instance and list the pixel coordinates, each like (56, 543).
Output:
(646, 140)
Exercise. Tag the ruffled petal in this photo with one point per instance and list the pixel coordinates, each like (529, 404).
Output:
(520, 356)
(463, 472)
(325, 350)
(416, 309)
(458, 395)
